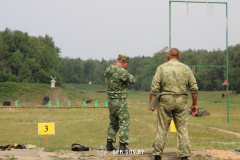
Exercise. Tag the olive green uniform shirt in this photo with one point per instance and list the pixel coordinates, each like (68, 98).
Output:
(173, 77)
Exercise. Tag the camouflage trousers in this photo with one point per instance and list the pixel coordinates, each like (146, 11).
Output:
(172, 107)
(119, 116)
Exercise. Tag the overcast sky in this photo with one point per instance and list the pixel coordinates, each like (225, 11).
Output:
(105, 28)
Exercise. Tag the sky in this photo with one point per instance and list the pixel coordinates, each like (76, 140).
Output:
(96, 29)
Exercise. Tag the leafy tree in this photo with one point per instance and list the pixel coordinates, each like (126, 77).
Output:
(43, 76)
(25, 74)
(74, 79)
(10, 77)
(2, 76)
(15, 62)
(25, 58)
(43, 61)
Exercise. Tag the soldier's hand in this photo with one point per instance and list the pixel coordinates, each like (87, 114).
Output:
(153, 109)
(193, 109)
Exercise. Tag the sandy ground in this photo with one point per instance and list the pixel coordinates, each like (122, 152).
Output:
(169, 154)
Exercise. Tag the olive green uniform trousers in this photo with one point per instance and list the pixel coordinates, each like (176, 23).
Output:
(119, 116)
(172, 107)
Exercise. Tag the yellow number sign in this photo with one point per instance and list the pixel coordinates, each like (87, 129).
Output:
(172, 127)
(46, 128)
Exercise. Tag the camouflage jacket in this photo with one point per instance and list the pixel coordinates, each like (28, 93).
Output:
(116, 79)
(173, 77)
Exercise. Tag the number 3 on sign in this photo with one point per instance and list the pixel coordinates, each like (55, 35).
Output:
(46, 128)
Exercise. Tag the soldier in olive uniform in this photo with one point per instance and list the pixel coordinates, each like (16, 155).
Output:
(116, 79)
(171, 81)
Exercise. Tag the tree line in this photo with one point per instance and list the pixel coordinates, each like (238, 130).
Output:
(30, 59)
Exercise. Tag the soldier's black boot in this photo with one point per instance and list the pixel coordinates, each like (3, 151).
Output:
(123, 149)
(184, 158)
(157, 158)
(110, 147)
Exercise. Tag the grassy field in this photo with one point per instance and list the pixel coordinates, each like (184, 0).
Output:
(88, 126)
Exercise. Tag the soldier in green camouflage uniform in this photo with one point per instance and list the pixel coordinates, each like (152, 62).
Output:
(116, 79)
(171, 81)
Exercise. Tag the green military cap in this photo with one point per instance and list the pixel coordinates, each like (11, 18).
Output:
(123, 58)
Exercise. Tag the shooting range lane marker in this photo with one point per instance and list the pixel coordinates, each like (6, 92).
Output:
(46, 129)
(173, 129)
(95, 103)
(69, 103)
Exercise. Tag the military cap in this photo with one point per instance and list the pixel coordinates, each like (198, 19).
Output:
(123, 58)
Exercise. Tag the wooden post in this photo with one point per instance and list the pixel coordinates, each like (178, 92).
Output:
(177, 140)
(46, 140)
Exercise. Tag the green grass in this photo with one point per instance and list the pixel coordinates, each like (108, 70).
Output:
(88, 126)
(201, 133)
